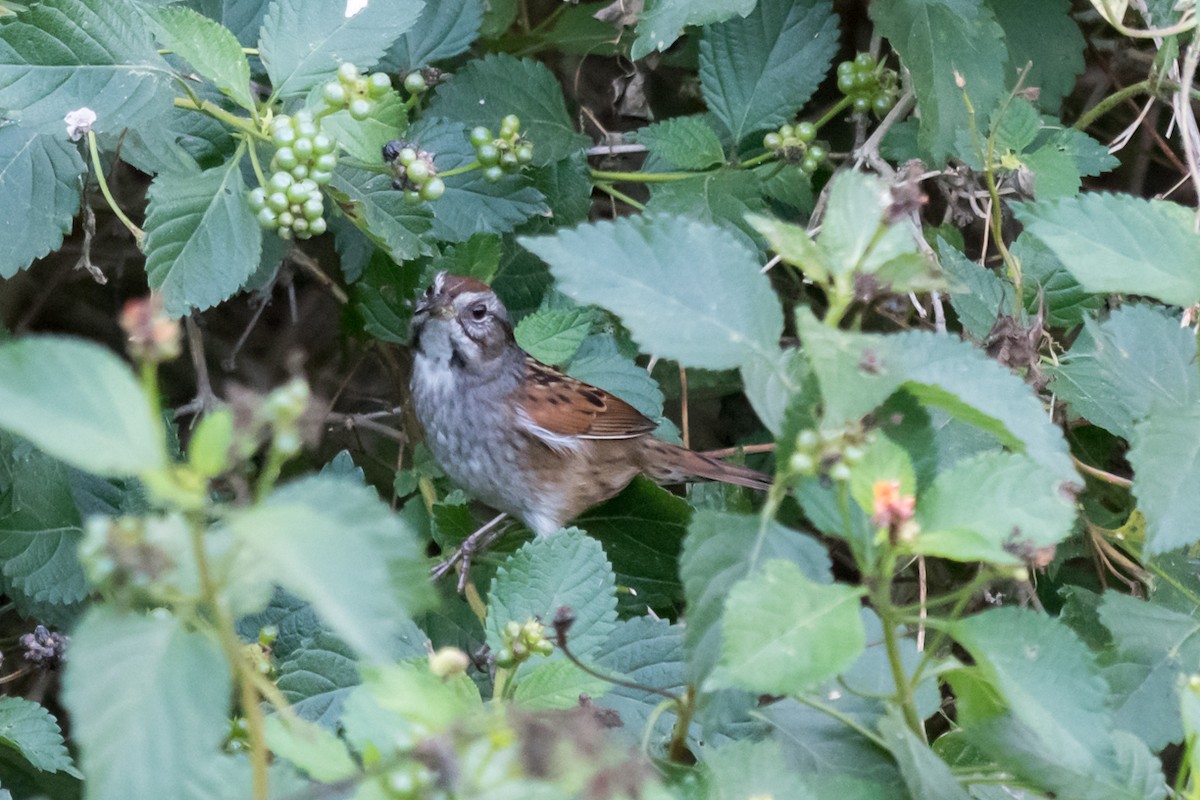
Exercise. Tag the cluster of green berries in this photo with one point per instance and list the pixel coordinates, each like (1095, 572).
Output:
(507, 152)
(301, 150)
(355, 92)
(413, 171)
(412, 781)
(289, 207)
(829, 453)
(521, 641)
(871, 86)
(794, 144)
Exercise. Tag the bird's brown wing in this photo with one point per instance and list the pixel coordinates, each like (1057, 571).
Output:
(563, 406)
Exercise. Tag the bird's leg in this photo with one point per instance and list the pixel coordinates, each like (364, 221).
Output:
(477, 542)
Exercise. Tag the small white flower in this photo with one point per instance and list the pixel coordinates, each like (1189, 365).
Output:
(79, 122)
(355, 6)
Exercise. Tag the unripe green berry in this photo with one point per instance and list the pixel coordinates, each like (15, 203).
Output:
(285, 158)
(509, 162)
(525, 153)
(334, 94)
(862, 105)
(807, 440)
(300, 226)
(305, 129)
(493, 173)
(303, 148)
(406, 156)
(283, 135)
(433, 189)
(378, 84)
(279, 182)
(786, 131)
(864, 81)
(882, 104)
(412, 196)
(360, 109)
(300, 172)
(313, 208)
(347, 73)
(257, 199)
(325, 163)
(817, 152)
(802, 463)
(806, 132)
(809, 164)
(543, 647)
(317, 226)
(846, 83)
(852, 455)
(418, 172)
(488, 155)
(277, 201)
(480, 136)
(509, 126)
(267, 219)
(773, 141)
(845, 68)
(286, 218)
(864, 61)
(323, 144)
(414, 83)
(839, 472)
(297, 193)
(791, 142)
(320, 176)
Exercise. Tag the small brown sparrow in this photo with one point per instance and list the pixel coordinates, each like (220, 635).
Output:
(521, 436)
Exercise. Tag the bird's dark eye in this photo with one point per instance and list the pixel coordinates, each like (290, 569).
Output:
(479, 311)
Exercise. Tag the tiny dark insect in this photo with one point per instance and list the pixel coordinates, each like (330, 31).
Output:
(392, 149)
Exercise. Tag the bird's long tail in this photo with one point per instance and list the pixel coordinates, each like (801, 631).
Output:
(670, 463)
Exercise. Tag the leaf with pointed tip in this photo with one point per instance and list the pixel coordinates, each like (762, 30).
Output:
(33, 732)
(663, 21)
(444, 29)
(37, 172)
(209, 47)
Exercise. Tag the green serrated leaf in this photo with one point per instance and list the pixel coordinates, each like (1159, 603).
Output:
(1022, 508)
(553, 335)
(663, 21)
(1121, 243)
(1066, 303)
(1121, 369)
(411, 691)
(382, 296)
(33, 732)
(1017, 127)
(37, 172)
(202, 241)
(882, 460)
(566, 569)
(723, 198)
(556, 685)
(1165, 456)
(567, 187)
(926, 775)
(144, 690)
(316, 678)
(243, 17)
(61, 55)
(847, 243)
(978, 295)
(381, 212)
(489, 88)
(177, 141)
(779, 652)
(444, 29)
(753, 770)
(315, 750)
(209, 47)
(720, 550)
(1025, 658)
(663, 276)
(40, 529)
(1043, 34)
(683, 142)
(647, 652)
(757, 71)
(303, 41)
(79, 403)
(859, 371)
(642, 529)
(940, 43)
(472, 205)
(336, 544)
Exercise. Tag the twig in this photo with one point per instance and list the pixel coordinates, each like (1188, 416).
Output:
(1107, 477)
(726, 452)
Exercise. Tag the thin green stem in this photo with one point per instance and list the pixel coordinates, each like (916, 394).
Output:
(608, 189)
(846, 720)
(881, 600)
(997, 210)
(931, 650)
(450, 173)
(250, 51)
(270, 472)
(641, 177)
(677, 751)
(258, 170)
(138, 234)
(243, 124)
(837, 108)
(232, 648)
(1109, 103)
(761, 158)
